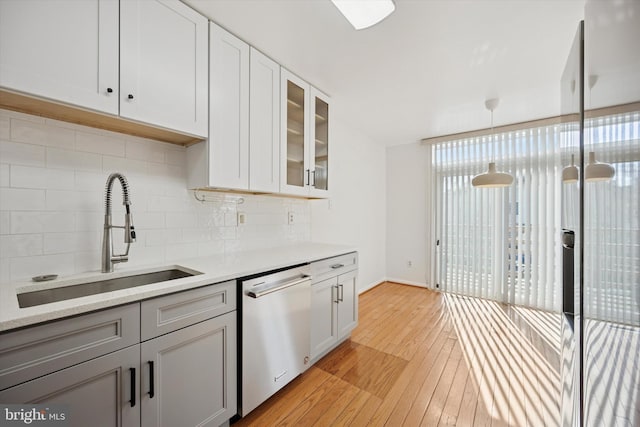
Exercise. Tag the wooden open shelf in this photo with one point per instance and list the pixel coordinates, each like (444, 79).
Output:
(54, 110)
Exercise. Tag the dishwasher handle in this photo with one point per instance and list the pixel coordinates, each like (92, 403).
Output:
(278, 286)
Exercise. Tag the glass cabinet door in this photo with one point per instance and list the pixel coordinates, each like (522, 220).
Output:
(295, 154)
(321, 145)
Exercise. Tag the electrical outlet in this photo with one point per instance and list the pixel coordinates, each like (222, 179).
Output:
(242, 217)
(409, 264)
(290, 218)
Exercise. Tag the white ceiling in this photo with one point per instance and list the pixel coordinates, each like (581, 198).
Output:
(424, 71)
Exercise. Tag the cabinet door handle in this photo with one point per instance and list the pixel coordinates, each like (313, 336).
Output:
(308, 179)
(132, 373)
(109, 90)
(341, 293)
(336, 300)
(313, 174)
(130, 96)
(334, 266)
(151, 380)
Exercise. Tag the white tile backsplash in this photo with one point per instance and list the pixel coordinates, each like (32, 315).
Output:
(31, 177)
(107, 144)
(21, 154)
(42, 134)
(52, 180)
(73, 160)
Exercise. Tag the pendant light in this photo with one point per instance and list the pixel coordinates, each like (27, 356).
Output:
(596, 171)
(492, 178)
(362, 13)
(570, 173)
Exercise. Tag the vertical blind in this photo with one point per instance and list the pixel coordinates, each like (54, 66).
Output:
(503, 243)
(612, 222)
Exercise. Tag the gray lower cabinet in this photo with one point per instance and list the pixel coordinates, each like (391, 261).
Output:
(347, 303)
(189, 376)
(183, 373)
(334, 303)
(98, 392)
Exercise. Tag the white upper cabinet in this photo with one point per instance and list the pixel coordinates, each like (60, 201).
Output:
(163, 75)
(264, 121)
(229, 107)
(243, 150)
(304, 145)
(144, 60)
(319, 144)
(65, 50)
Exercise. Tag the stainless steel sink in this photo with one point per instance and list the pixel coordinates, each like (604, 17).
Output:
(45, 296)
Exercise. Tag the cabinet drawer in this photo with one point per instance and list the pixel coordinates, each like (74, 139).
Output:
(172, 312)
(29, 353)
(333, 266)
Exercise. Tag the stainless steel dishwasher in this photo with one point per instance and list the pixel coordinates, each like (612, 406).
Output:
(275, 333)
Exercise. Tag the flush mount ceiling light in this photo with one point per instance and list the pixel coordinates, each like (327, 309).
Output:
(492, 178)
(570, 173)
(364, 13)
(596, 171)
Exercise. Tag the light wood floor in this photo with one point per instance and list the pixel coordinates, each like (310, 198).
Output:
(424, 358)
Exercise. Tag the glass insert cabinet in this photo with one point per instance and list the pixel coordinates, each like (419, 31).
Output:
(305, 139)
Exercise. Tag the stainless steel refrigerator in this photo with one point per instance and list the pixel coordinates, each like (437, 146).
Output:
(600, 94)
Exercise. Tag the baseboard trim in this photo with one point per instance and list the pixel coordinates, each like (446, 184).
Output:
(408, 282)
(371, 286)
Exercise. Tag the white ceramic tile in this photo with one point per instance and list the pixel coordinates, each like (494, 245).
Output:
(125, 166)
(41, 134)
(5, 270)
(90, 181)
(100, 144)
(21, 116)
(5, 174)
(180, 251)
(181, 220)
(211, 219)
(212, 247)
(27, 267)
(177, 157)
(22, 154)
(74, 201)
(148, 220)
(141, 255)
(5, 127)
(167, 204)
(30, 177)
(60, 243)
(87, 261)
(73, 160)
(192, 235)
(92, 221)
(18, 245)
(22, 199)
(231, 219)
(40, 222)
(5, 222)
(143, 150)
(160, 237)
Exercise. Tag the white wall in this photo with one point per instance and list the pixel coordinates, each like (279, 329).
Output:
(52, 178)
(407, 219)
(356, 212)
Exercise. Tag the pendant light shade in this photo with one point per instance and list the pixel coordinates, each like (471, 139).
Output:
(570, 173)
(596, 171)
(364, 13)
(492, 178)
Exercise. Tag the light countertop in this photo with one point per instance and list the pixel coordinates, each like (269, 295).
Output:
(214, 269)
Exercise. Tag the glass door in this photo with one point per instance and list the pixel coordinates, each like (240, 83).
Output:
(320, 142)
(294, 165)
